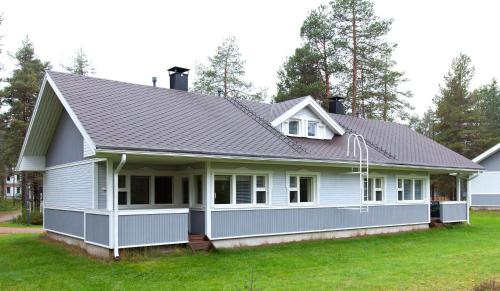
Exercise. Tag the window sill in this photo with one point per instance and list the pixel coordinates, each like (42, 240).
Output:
(299, 204)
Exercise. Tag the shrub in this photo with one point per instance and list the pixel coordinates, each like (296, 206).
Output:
(7, 204)
(36, 217)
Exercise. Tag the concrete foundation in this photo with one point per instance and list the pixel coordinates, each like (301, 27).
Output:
(336, 234)
(93, 250)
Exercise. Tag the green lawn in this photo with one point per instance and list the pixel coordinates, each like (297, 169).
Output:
(458, 257)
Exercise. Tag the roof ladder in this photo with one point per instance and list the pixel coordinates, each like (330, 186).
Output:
(363, 169)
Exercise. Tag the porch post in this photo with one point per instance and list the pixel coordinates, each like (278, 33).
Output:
(207, 193)
(109, 184)
(459, 189)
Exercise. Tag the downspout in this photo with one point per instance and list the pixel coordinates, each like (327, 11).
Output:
(115, 206)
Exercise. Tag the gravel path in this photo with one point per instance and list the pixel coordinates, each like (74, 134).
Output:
(11, 230)
(7, 216)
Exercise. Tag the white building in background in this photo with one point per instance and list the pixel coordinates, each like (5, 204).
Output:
(12, 186)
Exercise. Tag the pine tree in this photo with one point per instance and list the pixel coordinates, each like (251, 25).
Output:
(20, 95)
(300, 76)
(80, 64)
(360, 33)
(225, 71)
(318, 33)
(487, 99)
(457, 119)
(425, 125)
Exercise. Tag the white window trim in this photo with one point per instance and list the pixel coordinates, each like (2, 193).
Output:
(384, 189)
(315, 187)
(316, 132)
(425, 192)
(151, 174)
(299, 127)
(233, 174)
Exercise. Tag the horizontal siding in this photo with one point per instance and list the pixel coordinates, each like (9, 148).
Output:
(64, 221)
(97, 228)
(485, 200)
(69, 186)
(67, 143)
(486, 183)
(492, 163)
(145, 229)
(272, 221)
(453, 212)
(197, 221)
(101, 185)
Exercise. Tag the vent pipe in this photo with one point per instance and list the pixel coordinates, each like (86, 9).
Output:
(154, 82)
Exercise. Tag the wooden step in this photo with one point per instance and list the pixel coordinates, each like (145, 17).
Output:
(200, 245)
(193, 237)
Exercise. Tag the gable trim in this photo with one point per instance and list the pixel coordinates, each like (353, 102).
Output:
(487, 153)
(316, 108)
(71, 113)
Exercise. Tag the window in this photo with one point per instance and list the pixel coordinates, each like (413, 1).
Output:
(8, 178)
(410, 189)
(122, 190)
(18, 190)
(222, 189)
(293, 127)
(8, 190)
(163, 190)
(185, 190)
(373, 189)
(312, 128)
(301, 189)
(198, 189)
(139, 189)
(240, 189)
(260, 189)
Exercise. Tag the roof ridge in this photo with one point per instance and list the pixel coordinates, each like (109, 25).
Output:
(375, 146)
(245, 109)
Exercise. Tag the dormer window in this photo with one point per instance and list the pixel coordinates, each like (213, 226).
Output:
(293, 127)
(312, 128)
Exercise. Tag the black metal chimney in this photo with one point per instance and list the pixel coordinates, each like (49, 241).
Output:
(178, 78)
(154, 81)
(336, 105)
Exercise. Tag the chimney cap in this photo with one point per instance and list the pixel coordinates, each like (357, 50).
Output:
(337, 98)
(179, 70)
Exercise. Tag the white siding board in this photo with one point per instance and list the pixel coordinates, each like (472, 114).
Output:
(69, 186)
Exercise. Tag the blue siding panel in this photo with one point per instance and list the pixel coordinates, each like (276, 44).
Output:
(64, 221)
(492, 163)
(453, 212)
(67, 143)
(485, 200)
(97, 228)
(146, 229)
(233, 223)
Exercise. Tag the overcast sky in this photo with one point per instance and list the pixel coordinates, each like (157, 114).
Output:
(135, 40)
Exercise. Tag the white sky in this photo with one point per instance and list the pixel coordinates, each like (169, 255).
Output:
(135, 40)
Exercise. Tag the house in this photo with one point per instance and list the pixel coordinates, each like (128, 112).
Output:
(485, 187)
(12, 186)
(128, 165)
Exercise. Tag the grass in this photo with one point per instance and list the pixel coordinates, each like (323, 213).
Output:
(458, 257)
(15, 223)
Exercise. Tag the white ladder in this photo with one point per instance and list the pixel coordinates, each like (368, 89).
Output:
(363, 169)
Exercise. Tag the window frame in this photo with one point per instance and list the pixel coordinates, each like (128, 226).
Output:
(383, 188)
(425, 192)
(314, 187)
(316, 128)
(299, 127)
(254, 175)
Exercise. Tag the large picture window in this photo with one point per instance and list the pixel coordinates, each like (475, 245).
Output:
(142, 190)
(198, 189)
(410, 189)
(240, 189)
(163, 190)
(185, 190)
(301, 189)
(373, 189)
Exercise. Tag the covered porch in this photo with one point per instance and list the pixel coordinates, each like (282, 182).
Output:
(450, 197)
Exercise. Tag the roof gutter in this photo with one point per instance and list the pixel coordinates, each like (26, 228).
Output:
(141, 152)
(115, 205)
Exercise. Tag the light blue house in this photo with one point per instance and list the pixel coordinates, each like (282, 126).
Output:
(128, 165)
(485, 187)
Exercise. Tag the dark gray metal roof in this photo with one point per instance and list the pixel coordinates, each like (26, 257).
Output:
(118, 115)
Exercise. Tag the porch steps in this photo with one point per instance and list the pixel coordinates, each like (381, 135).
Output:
(436, 223)
(199, 242)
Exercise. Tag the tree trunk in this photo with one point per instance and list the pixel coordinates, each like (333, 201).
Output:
(327, 72)
(354, 60)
